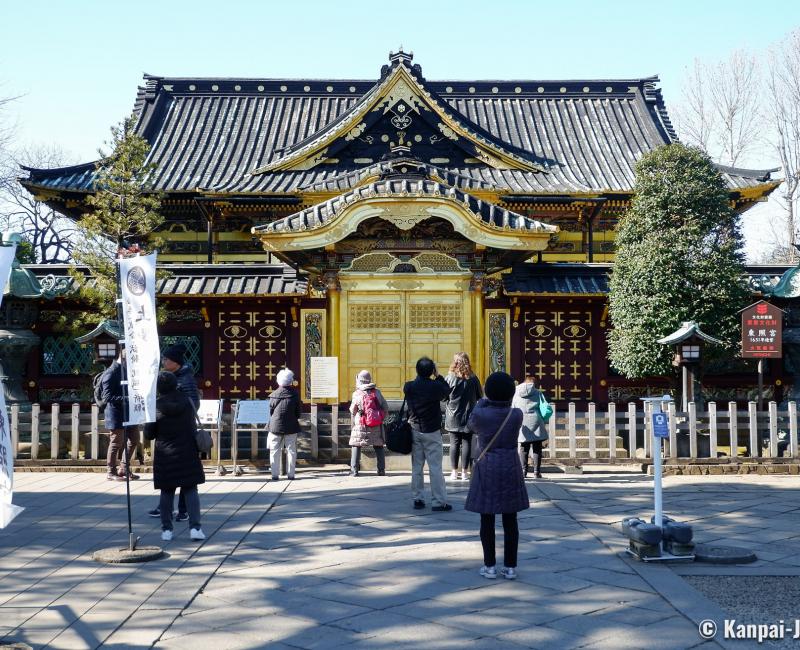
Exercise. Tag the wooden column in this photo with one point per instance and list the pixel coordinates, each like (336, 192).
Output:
(334, 290)
(478, 337)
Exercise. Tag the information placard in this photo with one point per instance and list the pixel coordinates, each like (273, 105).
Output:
(660, 427)
(210, 412)
(762, 330)
(324, 377)
(252, 411)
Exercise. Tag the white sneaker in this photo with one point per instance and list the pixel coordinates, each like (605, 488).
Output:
(489, 572)
(508, 573)
(197, 534)
(464, 476)
(166, 535)
(454, 475)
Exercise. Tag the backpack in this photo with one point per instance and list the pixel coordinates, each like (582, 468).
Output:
(372, 416)
(97, 390)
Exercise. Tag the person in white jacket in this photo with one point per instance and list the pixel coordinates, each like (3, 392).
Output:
(533, 431)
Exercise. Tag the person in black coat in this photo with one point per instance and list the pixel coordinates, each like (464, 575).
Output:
(122, 440)
(284, 424)
(176, 463)
(465, 391)
(423, 397)
(497, 485)
(172, 360)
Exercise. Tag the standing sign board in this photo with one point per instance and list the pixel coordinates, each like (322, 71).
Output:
(7, 509)
(660, 427)
(252, 411)
(762, 327)
(210, 412)
(324, 377)
(138, 283)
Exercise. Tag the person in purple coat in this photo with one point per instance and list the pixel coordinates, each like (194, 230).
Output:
(497, 485)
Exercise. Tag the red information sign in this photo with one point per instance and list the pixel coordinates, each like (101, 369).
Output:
(762, 326)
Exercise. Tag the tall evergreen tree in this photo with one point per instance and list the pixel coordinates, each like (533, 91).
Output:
(124, 217)
(679, 257)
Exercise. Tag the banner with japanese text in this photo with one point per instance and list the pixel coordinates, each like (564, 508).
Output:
(138, 282)
(8, 511)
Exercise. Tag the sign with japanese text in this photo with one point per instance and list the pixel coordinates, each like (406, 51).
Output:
(762, 327)
(324, 377)
(138, 281)
(252, 411)
(8, 511)
(210, 412)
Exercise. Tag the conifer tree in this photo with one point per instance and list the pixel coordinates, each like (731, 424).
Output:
(678, 258)
(124, 217)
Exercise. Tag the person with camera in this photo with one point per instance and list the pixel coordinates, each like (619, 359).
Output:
(423, 396)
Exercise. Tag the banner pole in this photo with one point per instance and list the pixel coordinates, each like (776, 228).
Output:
(127, 469)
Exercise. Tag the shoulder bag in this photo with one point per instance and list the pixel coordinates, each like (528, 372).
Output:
(399, 438)
(545, 409)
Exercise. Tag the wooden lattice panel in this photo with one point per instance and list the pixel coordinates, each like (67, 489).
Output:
(446, 316)
(371, 317)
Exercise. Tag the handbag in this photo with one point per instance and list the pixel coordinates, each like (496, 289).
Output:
(545, 408)
(202, 437)
(399, 438)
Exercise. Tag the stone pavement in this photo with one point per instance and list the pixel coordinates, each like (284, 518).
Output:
(329, 561)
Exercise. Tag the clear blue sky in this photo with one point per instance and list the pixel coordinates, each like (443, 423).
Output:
(77, 63)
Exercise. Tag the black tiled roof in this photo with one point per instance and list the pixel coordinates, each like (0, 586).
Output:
(213, 280)
(557, 279)
(211, 134)
(321, 213)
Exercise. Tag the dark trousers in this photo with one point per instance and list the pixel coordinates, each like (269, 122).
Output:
(460, 447)
(510, 539)
(535, 448)
(116, 443)
(355, 459)
(168, 500)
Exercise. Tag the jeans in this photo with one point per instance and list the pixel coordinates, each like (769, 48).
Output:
(536, 451)
(355, 459)
(275, 443)
(460, 446)
(510, 539)
(168, 500)
(115, 446)
(427, 447)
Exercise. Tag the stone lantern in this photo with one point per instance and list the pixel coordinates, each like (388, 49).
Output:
(688, 341)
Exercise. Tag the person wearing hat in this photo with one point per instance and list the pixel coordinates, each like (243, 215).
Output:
(368, 408)
(284, 424)
(497, 485)
(172, 360)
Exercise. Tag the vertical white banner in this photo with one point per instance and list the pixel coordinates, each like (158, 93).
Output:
(138, 280)
(7, 509)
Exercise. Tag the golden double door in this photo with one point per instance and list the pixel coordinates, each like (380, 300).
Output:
(387, 331)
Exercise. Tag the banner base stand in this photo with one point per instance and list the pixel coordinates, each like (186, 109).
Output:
(8, 512)
(123, 555)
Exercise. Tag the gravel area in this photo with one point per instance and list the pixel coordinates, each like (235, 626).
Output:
(755, 599)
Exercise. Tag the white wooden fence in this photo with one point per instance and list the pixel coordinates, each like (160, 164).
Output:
(609, 435)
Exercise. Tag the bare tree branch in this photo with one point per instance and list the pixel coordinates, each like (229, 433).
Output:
(50, 233)
(783, 92)
(721, 110)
